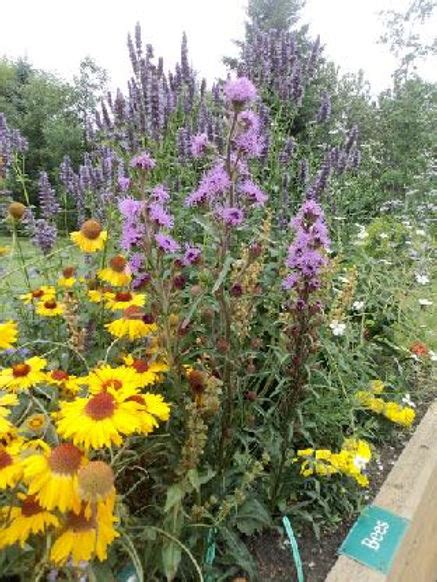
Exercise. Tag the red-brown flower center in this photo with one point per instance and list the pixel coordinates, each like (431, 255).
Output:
(100, 406)
(96, 480)
(20, 370)
(5, 459)
(59, 375)
(68, 272)
(112, 383)
(50, 304)
(118, 263)
(91, 229)
(136, 398)
(65, 459)
(79, 522)
(37, 293)
(123, 296)
(30, 506)
(140, 365)
(133, 312)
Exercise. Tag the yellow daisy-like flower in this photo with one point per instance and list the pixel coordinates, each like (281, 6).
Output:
(52, 476)
(130, 328)
(23, 521)
(84, 538)
(90, 238)
(150, 372)
(403, 415)
(106, 378)
(99, 295)
(153, 408)
(100, 420)
(8, 334)
(49, 308)
(377, 386)
(24, 375)
(124, 300)
(4, 251)
(5, 401)
(68, 279)
(36, 423)
(10, 467)
(117, 274)
(64, 381)
(41, 294)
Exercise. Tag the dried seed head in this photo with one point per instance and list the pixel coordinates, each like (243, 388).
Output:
(96, 481)
(91, 229)
(68, 272)
(16, 210)
(197, 381)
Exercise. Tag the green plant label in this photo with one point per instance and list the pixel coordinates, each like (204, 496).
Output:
(375, 538)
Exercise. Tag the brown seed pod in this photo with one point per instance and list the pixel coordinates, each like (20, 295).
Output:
(91, 229)
(16, 210)
(118, 263)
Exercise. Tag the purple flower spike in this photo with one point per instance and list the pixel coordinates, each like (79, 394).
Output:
(240, 91)
(199, 144)
(124, 183)
(158, 214)
(160, 194)
(232, 216)
(143, 161)
(191, 256)
(166, 243)
(253, 192)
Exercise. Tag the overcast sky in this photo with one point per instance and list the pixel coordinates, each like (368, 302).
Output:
(56, 34)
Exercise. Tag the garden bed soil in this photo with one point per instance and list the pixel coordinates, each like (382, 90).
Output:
(272, 551)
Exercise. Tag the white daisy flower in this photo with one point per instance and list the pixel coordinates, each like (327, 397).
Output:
(358, 305)
(407, 401)
(337, 327)
(425, 302)
(422, 279)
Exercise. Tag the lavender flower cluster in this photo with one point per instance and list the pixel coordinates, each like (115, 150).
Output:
(11, 143)
(307, 255)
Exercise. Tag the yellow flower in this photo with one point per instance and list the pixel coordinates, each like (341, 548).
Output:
(100, 420)
(90, 238)
(36, 423)
(6, 400)
(105, 377)
(99, 295)
(40, 294)
(8, 334)
(403, 415)
(124, 300)
(64, 381)
(23, 375)
(84, 537)
(305, 452)
(377, 386)
(130, 328)
(23, 521)
(153, 408)
(149, 372)
(52, 476)
(4, 251)
(67, 282)
(117, 274)
(323, 454)
(10, 467)
(49, 308)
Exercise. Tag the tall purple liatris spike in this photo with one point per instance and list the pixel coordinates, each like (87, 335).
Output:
(324, 112)
(47, 198)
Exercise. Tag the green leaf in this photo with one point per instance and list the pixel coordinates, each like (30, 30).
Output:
(237, 554)
(228, 262)
(171, 557)
(175, 494)
(252, 517)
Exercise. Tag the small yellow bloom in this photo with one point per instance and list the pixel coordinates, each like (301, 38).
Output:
(99, 295)
(104, 377)
(23, 521)
(4, 251)
(117, 274)
(49, 308)
(64, 381)
(36, 423)
(10, 467)
(403, 415)
(131, 329)
(23, 375)
(90, 238)
(8, 334)
(84, 537)
(150, 372)
(41, 294)
(377, 386)
(6, 400)
(124, 300)
(67, 282)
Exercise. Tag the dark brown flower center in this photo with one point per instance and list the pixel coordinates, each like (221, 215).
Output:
(20, 370)
(59, 375)
(136, 398)
(79, 522)
(112, 383)
(118, 264)
(123, 296)
(100, 406)
(50, 304)
(30, 507)
(140, 365)
(133, 312)
(65, 459)
(5, 459)
(91, 229)
(37, 293)
(68, 272)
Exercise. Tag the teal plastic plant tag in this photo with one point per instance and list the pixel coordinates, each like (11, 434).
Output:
(375, 538)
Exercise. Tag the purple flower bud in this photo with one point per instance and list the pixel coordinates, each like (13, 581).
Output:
(142, 161)
(199, 144)
(239, 91)
(166, 243)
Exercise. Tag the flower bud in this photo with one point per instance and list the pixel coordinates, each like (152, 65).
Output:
(16, 210)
